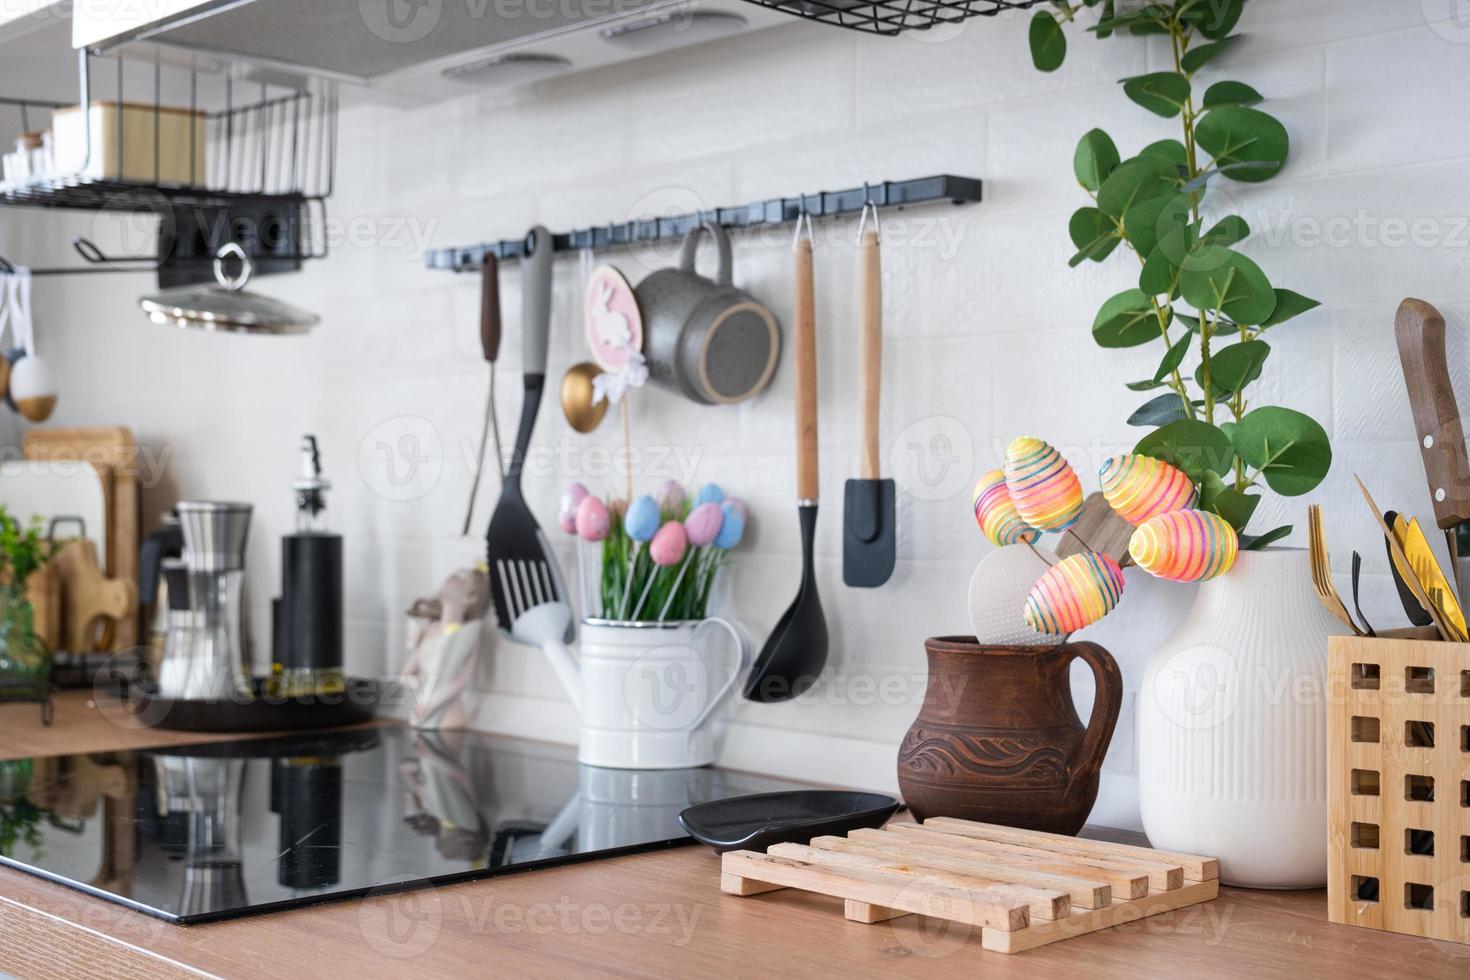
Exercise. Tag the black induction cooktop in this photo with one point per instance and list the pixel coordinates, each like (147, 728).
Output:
(205, 832)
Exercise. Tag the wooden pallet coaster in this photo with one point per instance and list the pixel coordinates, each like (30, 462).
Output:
(1020, 888)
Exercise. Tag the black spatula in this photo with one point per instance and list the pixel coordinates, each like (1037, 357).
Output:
(515, 544)
(796, 651)
(868, 505)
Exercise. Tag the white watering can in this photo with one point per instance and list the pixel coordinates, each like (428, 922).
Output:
(647, 692)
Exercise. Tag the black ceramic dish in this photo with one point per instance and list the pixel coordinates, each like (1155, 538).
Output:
(358, 703)
(754, 823)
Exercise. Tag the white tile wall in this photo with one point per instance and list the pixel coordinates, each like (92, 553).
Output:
(987, 328)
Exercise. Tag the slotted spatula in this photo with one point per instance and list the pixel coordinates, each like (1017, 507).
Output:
(515, 540)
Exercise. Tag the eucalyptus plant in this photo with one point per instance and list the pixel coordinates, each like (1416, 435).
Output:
(1208, 306)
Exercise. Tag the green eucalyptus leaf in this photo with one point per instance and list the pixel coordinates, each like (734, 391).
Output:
(1126, 320)
(1048, 42)
(1161, 92)
(1170, 150)
(1194, 446)
(1216, 278)
(1197, 58)
(1162, 410)
(1247, 144)
(1215, 18)
(1290, 449)
(1256, 542)
(1234, 367)
(1094, 159)
(1093, 233)
(1147, 384)
(1231, 93)
(1190, 321)
(1138, 179)
(1233, 505)
(1160, 275)
(1147, 221)
(1174, 357)
(1227, 231)
(1288, 305)
(1133, 15)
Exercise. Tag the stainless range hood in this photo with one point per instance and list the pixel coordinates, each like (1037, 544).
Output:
(425, 47)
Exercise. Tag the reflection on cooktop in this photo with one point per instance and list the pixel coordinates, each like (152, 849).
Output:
(196, 833)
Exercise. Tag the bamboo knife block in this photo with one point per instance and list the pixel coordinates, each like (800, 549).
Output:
(1399, 786)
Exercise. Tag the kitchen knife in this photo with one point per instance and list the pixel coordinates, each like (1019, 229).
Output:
(1419, 329)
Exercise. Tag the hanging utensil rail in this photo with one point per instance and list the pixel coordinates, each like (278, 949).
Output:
(776, 211)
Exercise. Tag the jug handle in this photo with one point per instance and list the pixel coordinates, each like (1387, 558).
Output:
(742, 648)
(1105, 705)
(690, 246)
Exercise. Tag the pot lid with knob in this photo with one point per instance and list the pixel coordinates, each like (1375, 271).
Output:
(228, 306)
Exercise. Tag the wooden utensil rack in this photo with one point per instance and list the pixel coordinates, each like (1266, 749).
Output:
(1019, 888)
(1399, 786)
(775, 211)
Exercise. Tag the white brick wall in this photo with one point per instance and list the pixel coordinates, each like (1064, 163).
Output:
(985, 323)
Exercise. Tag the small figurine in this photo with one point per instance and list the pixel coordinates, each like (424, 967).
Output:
(444, 653)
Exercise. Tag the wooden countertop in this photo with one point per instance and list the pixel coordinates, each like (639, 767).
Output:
(658, 914)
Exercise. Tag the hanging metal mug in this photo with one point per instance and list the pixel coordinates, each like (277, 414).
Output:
(704, 338)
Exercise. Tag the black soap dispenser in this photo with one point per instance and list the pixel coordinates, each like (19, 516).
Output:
(308, 656)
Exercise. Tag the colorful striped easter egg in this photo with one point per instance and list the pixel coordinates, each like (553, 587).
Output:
(1140, 487)
(1075, 592)
(995, 513)
(1043, 487)
(1184, 546)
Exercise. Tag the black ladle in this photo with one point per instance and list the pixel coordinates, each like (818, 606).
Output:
(796, 650)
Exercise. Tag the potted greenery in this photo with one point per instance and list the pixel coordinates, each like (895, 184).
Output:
(1227, 764)
(20, 819)
(25, 660)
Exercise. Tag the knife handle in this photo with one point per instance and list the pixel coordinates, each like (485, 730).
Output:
(1419, 330)
(490, 307)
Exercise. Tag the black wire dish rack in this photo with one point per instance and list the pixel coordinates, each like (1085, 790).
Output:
(890, 17)
(214, 155)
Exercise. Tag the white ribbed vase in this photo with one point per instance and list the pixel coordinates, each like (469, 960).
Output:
(1232, 726)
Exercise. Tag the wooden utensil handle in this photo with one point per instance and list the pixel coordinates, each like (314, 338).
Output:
(490, 307)
(870, 282)
(1419, 329)
(806, 375)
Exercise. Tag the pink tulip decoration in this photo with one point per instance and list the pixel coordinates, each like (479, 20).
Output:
(701, 528)
(671, 497)
(593, 520)
(567, 515)
(668, 544)
(702, 525)
(666, 549)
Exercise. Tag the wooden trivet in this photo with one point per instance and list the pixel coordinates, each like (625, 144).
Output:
(1020, 888)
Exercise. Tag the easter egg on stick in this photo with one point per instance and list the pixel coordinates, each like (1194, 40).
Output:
(1184, 546)
(1141, 487)
(1075, 592)
(996, 513)
(1042, 485)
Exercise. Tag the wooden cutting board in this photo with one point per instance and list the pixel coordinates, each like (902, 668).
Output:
(114, 452)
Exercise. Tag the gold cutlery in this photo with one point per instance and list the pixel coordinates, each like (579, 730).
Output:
(1322, 571)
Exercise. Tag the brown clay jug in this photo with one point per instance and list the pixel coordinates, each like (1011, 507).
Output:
(998, 740)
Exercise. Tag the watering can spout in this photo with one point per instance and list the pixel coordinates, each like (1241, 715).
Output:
(544, 626)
